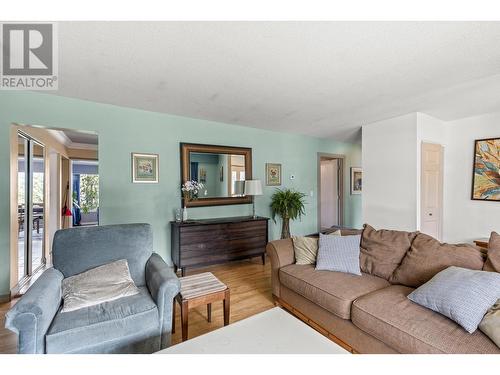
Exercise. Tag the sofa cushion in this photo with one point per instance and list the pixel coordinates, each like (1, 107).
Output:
(428, 256)
(461, 294)
(391, 317)
(492, 263)
(490, 325)
(343, 231)
(306, 248)
(333, 291)
(350, 232)
(338, 254)
(79, 330)
(382, 250)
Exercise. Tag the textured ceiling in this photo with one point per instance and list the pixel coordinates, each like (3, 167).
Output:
(319, 78)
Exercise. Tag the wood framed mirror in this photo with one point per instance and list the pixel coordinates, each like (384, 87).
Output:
(221, 169)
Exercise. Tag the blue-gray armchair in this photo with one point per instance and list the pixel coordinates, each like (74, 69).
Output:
(137, 324)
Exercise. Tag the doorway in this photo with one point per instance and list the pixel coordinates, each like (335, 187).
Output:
(30, 206)
(330, 190)
(237, 174)
(85, 192)
(41, 178)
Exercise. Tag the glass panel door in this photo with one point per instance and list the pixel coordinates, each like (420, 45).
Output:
(31, 205)
(21, 206)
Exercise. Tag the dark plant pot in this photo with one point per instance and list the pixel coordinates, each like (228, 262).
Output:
(285, 229)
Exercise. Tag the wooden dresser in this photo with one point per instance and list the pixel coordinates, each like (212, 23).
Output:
(197, 243)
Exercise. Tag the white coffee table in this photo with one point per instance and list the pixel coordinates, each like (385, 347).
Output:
(274, 331)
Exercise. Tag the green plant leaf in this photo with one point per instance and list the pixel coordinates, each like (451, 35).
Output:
(288, 204)
(89, 192)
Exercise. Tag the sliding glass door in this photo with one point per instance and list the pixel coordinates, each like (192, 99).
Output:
(31, 205)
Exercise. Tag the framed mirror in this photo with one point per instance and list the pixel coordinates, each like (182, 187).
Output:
(221, 169)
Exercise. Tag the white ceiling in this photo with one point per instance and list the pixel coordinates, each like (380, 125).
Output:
(76, 139)
(76, 136)
(319, 78)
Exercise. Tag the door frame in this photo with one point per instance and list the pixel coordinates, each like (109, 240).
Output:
(40, 135)
(341, 160)
(28, 222)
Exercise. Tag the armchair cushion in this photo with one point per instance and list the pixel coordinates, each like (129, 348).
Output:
(31, 316)
(97, 285)
(82, 330)
(77, 250)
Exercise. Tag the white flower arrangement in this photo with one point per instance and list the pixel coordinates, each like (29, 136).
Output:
(190, 189)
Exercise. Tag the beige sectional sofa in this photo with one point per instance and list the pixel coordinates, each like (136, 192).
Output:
(370, 313)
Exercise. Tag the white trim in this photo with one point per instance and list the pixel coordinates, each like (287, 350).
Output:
(82, 146)
(66, 141)
(60, 136)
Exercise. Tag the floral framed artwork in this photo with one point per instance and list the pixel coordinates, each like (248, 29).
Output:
(486, 170)
(356, 180)
(145, 168)
(273, 174)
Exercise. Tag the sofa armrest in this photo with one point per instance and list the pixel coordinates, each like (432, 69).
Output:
(281, 254)
(31, 316)
(164, 285)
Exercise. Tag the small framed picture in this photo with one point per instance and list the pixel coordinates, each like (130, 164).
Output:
(145, 168)
(273, 174)
(356, 180)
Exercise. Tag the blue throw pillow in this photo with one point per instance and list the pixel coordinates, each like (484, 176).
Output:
(338, 254)
(461, 294)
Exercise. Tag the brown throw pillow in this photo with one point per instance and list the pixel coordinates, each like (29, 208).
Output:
(492, 263)
(343, 231)
(350, 232)
(428, 256)
(382, 250)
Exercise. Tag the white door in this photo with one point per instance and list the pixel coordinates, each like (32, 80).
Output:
(329, 193)
(431, 193)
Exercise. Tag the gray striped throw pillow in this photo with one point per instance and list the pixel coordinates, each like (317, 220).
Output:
(461, 294)
(338, 254)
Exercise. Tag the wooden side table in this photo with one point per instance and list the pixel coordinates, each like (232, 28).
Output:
(197, 290)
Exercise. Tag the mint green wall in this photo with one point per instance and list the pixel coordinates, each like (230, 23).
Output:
(125, 130)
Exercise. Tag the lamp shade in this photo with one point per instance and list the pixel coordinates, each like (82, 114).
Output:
(253, 187)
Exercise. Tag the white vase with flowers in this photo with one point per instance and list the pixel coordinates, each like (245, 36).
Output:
(190, 190)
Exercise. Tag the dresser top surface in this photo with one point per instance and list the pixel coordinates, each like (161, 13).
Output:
(219, 220)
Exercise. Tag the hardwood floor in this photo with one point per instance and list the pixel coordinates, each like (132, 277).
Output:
(8, 340)
(250, 285)
(248, 280)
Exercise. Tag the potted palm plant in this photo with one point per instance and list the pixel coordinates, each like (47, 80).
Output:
(288, 204)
